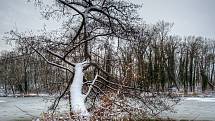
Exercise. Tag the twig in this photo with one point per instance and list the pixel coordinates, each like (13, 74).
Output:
(26, 112)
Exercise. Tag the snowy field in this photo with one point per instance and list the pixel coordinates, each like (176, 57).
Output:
(191, 108)
(194, 108)
(22, 108)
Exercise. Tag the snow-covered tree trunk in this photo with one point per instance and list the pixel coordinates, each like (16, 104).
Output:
(77, 98)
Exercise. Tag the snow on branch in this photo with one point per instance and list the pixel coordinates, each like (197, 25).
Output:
(91, 86)
(82, 42)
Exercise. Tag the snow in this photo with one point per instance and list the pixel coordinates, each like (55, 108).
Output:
(193, 108)
(190, 108)
(2, 101)
(77, 98)
(200, 99)
(9, 107)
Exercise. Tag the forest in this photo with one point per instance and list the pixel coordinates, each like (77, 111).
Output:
(127, 57)
(152, 60)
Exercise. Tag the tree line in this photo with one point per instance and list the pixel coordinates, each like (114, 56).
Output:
(151, 59)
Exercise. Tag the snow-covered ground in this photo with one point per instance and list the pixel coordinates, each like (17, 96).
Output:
(200, 99)
(194, 108)
(191, 108)
(22, 107)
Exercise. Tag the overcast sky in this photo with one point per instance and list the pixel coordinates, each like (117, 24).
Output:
(190, 17)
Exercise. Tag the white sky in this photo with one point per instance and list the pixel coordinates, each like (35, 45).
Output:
(190, 17)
